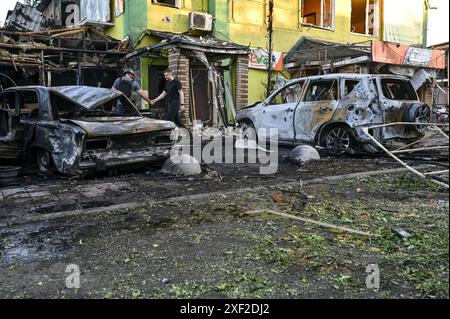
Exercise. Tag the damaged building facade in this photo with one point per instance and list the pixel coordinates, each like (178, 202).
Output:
(249, 23)
(38, 47)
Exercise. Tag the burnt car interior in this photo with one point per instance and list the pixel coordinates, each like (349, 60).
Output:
(63, 108)
(395, 89)
(322, 90)
(28, 104)
(291, 94)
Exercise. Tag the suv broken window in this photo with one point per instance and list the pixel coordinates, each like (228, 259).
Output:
(349, 86)
(322, 91)
(395, 89)
(290, 94)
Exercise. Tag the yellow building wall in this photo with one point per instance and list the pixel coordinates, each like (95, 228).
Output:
(117, 32)
(248, 26)
(169, 19)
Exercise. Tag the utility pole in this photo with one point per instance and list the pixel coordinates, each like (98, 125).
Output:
(270, 51)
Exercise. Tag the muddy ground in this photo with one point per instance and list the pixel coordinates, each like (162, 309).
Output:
(147, 235)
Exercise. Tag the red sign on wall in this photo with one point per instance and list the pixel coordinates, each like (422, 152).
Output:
(391, 53)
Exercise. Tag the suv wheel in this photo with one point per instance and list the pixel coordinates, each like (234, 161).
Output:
(338, 140)
(419, 114)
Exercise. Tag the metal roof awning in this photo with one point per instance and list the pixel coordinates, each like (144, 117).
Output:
(207, 44)
(310, 51)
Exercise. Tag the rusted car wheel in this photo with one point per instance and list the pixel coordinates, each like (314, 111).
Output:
(338, 140)
(44, 161)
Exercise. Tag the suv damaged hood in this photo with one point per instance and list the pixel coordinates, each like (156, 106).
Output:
(99, 127)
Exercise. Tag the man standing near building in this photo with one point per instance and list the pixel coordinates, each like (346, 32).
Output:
(175, 99)
(128, 85)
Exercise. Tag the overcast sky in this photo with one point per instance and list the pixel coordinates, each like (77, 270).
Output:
(438, 28)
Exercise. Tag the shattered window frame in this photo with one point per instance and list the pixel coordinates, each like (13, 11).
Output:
(345, 93)
(13, 108)
(119, 7)
(287, 97)
(409, 94)
(32, 114)
(321, 21)
(55, 108)
(371, 25)
(320, 98)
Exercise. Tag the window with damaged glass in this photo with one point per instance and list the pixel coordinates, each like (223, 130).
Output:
(365, 17)
(28, 104)
(119, 7)
(349, 86)
(171, 3)
(402, 90)
(8, 102)
(290, 94)
(63, 108)
(318, 13)
(323, 90)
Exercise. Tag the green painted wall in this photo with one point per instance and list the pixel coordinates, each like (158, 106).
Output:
(219, 9)
(135, 18)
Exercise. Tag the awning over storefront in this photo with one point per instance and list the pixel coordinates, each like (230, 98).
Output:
(315, 52)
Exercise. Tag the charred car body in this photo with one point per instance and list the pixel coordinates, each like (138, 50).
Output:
(76, 128)
(332, 110)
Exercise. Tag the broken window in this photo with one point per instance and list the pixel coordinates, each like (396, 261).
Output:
(349, 86)
(8, 102)
(365, 17)
(318, 12)
(172, 3)
(322, 91)
(28, 104)
(120, 7)
(395, 89)
(290, 94)
(63, 108)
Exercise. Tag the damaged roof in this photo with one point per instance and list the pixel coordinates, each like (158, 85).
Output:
(206, 44)
(202, 41)
(309, 49)
(86, 96)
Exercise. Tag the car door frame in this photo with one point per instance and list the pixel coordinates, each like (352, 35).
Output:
(323, 110)
(285, 116)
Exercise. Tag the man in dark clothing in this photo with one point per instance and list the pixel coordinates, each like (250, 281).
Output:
(127, 85)
(175, 99)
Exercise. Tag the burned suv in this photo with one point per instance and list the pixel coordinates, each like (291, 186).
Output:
(332, 110)
(76, 128)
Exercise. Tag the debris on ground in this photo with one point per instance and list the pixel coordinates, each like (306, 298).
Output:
(182, 165)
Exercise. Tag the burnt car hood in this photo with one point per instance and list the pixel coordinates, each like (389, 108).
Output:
(97, 127)
(87, 97)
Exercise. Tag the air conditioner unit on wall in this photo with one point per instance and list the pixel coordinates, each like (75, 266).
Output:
(200, 21)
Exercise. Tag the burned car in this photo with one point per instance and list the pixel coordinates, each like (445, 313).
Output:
(76, 128)
(332, 110)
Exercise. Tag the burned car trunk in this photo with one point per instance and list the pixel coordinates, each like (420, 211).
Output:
(70, 129)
